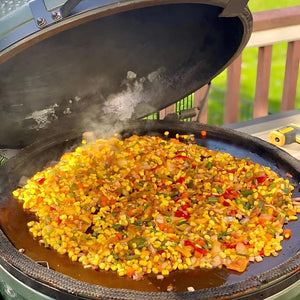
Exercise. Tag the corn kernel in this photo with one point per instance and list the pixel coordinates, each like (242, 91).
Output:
(165, 272)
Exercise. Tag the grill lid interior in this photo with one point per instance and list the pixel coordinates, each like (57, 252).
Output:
(121, 61)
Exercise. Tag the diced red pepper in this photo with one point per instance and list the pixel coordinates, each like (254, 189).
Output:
(80, 185)
(226, 203)
(185, 206)
(41, 181)
(232, 213)
(182, 214)
(180, 180)
(189, 243)
(287, 233)
(201, 250)
(230, 246)
(161, 251)
(261, 179)
(180, 152)
(119, 235)
(229, 195)
(227, 192)
(182, 157)
(177, 199)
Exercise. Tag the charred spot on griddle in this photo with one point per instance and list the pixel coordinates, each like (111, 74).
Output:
(97, 209)
(119, 227)
(202, 158)
(90, 230)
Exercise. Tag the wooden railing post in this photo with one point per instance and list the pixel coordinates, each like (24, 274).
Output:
(261, 99)
(291, 76)
(198, 97)
(232, 95)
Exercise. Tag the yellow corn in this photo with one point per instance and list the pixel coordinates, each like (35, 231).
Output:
(111, 204)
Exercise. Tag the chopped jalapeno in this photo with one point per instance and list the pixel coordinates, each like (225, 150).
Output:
(139, 241)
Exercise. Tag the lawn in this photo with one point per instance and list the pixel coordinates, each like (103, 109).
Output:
(249, 65)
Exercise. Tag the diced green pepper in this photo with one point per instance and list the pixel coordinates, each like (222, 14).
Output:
(271, 229)
(249, 205)
(139, 241)
(132, 256)
(182, 222)
(138, 223)
(246, 193)
(213, 199)
(209, 165)
(222, 235)
(238, 201)
(164, 247)
(117, 227)
(207, 245)
(241, 254)
(190, 184)
(219, 190)
(249, 175)
(148, 205)
(73, 186)
(115, 256)
(272, 186)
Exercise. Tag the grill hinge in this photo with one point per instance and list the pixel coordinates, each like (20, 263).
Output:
(44, 18)
(233, 8)
(189, 113)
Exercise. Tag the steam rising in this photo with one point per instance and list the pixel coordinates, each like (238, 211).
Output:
(124, 103)
(91, 109)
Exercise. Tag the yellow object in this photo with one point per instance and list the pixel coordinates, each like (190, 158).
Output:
(149, 205)
(285, 135)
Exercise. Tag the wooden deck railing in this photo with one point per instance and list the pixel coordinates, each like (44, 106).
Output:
(269, 27)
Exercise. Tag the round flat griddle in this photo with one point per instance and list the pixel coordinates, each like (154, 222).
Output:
(67, 279)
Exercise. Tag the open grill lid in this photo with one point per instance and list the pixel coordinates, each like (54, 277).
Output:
(112, 61)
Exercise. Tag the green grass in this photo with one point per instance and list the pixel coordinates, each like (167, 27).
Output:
(259, 5)
(248, 76)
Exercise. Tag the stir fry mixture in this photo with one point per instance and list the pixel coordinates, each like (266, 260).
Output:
(148, 205)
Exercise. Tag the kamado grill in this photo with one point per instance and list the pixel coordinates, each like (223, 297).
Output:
(101, 66)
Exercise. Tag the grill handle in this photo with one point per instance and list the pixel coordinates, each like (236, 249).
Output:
(68, 7)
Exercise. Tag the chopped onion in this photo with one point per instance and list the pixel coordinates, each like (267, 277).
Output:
(23, 181)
